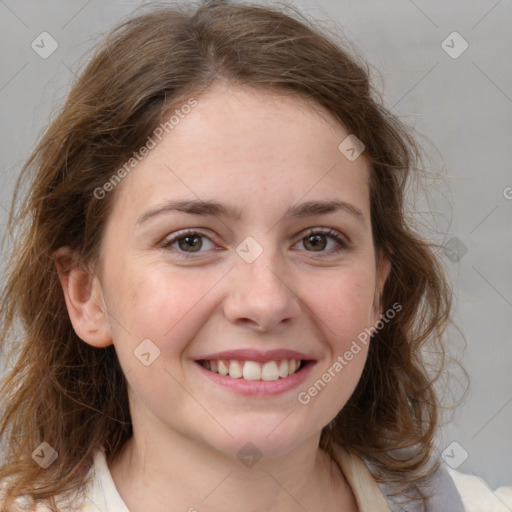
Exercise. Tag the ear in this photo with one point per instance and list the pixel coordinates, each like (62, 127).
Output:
(383, 269)
(84, 299)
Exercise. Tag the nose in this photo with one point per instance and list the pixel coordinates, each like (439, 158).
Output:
(261, 296)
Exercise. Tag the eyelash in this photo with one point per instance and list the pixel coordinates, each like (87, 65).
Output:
(330, 233)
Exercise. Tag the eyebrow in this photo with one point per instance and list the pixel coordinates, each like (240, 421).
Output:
(216, 209)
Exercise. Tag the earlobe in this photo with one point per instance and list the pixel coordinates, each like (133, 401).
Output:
(84, 299)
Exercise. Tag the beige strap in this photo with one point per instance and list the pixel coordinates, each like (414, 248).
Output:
(368, 495)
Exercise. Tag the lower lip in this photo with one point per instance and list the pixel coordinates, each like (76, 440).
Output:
(260, 387)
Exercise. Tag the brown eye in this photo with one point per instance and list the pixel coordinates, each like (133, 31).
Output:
(190, 243)
(187, 242)
(316, 242)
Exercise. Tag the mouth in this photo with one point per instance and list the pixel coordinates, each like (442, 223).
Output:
(267, 371)
(255, 373)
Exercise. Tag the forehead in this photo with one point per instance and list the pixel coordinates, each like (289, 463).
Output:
(247, 146)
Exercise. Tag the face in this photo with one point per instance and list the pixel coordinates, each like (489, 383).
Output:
(265, 270)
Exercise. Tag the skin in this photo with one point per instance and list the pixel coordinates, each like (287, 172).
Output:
(262, 153)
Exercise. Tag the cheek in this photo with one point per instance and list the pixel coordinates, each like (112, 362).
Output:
(343, 308)
(343, 305)
(162, 305)
(168, 309)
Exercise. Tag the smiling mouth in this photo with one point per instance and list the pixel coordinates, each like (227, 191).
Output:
(254, 370)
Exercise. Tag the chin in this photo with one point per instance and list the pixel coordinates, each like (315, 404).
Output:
(257, 440)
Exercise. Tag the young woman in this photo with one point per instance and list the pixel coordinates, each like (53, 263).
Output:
(215, 301)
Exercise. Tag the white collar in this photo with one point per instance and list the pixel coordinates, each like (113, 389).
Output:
(102, 493)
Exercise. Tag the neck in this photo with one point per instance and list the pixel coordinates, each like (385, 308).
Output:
(173, 472)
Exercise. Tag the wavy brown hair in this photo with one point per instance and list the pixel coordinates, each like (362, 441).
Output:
(61, 390)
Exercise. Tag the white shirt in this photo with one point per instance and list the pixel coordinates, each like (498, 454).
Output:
(101, 493)
(476, 495)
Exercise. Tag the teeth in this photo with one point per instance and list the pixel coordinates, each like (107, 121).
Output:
(252, 370)
(223, 368)
(235, 369)
(283, 369)
(269, 371)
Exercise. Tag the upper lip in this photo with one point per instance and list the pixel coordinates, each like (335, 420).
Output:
(256, 355)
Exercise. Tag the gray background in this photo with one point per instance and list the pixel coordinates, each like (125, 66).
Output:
(463, 105)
